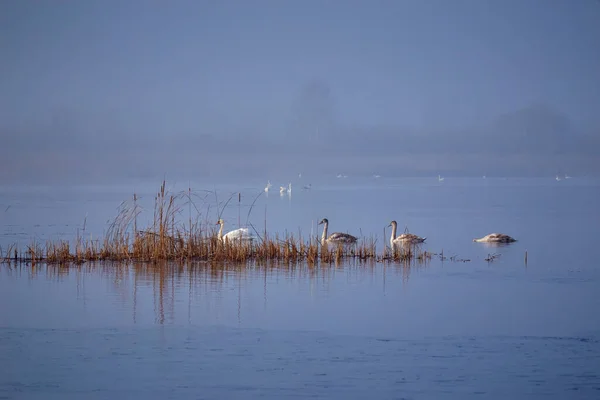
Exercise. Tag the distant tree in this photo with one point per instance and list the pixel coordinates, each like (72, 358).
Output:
(312, 112)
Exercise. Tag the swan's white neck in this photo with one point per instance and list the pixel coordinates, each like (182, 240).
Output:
(394, 228)
(221, 232)
(324, 237)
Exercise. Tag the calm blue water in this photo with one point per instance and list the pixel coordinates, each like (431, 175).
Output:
(440, 330)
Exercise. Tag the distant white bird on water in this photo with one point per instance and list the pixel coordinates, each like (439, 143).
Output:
(405, 238)
(268, 186)
(336, 237)
(440, 179)
(495, 238)
(558, 178)
(283, 190)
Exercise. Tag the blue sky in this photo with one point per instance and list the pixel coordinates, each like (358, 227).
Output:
(154, 66)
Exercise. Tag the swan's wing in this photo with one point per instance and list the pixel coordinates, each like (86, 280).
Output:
(342, 237)
(409, 237)
(496, 236)
(242, 233)
(505, 238)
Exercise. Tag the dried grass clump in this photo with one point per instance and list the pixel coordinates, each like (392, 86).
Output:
(171, 237)
(407, 253)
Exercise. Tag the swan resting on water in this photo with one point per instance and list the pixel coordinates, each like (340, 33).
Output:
(405, 238)
(242, 234)
(495, 238)
(336, 237)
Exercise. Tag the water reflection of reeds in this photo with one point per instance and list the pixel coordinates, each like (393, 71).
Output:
(165, 284)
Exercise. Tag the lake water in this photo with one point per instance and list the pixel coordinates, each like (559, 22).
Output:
(444, 329)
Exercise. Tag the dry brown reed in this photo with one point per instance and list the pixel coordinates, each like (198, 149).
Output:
(167, 238)
(407, 253)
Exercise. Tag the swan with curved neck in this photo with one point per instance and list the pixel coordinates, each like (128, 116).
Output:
(237, 234)
(495, 238)
(405, 238)
(336, 237)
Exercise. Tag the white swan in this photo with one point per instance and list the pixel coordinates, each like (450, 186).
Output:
(268, 186)
(242, 234)
(495, 238)
(440, 179)
(336, 237)
(282, 190)
(405, 238)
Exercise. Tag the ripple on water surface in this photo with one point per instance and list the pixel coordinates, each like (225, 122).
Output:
(223, 362)
(503, 329)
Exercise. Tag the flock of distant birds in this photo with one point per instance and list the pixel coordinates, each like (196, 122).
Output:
(288, 189)
(244, 234)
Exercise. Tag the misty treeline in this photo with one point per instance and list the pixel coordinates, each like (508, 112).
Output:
(530, 141)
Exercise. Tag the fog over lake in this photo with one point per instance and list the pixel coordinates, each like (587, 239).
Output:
(456, 119)
(104, 92)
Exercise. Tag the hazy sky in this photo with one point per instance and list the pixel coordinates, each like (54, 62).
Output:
(180, 66)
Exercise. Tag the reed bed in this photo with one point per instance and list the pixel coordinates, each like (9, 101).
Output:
(169, 237)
